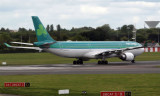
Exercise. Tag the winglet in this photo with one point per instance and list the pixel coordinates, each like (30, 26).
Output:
(35, 48)
(7, 45)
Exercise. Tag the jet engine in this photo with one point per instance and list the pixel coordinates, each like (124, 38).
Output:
(127, 56)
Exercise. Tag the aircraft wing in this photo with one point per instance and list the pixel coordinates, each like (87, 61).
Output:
(115, 51)
(94, 54)
(35, 48)
(22, 43)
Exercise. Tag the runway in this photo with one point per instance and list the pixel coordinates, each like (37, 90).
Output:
(111, 68)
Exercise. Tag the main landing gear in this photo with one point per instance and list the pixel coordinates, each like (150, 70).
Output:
(78, 62)
(133, 61)
(103, 62)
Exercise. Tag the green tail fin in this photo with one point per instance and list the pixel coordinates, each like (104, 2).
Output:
(41, 33)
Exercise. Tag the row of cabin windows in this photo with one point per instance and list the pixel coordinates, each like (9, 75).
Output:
(93, 46)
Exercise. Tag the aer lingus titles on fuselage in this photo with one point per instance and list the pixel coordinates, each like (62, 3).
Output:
(83, 50)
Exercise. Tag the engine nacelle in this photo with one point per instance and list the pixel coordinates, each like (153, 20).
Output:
(127, 56)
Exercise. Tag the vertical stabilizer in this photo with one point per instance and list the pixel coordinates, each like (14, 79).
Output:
(41, 33)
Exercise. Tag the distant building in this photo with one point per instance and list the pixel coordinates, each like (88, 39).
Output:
(13, 30)
(152, 24)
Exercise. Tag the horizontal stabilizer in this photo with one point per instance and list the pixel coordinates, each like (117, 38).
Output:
(21, 43)
(35, 48)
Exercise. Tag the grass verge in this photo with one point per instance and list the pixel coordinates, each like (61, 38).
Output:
(48, 85)
(47, 58)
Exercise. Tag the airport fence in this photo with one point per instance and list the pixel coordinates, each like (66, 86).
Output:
(152, 49)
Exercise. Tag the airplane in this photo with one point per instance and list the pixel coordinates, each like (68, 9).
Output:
(83, 50)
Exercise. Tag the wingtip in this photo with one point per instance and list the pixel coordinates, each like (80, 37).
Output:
(7, 45)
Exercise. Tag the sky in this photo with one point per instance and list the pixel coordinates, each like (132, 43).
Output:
(78, 13)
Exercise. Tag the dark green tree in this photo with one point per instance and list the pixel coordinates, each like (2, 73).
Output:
(3, 29)
(59, 31)
(47, 28)
(58, 28)
(51, 28)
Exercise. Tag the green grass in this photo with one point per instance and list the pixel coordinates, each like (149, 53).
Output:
(48, 85)
(157, 66)
(47, 58)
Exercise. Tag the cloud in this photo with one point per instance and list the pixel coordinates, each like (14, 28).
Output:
(78, 13)
(65, 16)
(139, 4)
(97, 10)
(16, 15)
(136, 19)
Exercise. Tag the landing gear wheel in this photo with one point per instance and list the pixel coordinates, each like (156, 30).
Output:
(80, 62)
(133, 61)
(99, 62)
(102, 62)
(105, 62)
(77, 62)
(74, 62)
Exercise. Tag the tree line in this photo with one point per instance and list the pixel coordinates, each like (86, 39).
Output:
(101, 33)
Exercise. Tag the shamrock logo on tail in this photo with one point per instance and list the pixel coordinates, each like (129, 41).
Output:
(41, 30)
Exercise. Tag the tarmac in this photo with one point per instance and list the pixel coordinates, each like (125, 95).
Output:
(112, 68)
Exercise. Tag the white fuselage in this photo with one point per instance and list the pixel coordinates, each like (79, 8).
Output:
(81, 53)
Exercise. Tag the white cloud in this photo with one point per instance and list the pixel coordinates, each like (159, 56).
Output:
(77, 13)
(16, 15)
(139, 4)
(136, 19)
(93, 9)
(65, 16)
(152, 18)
